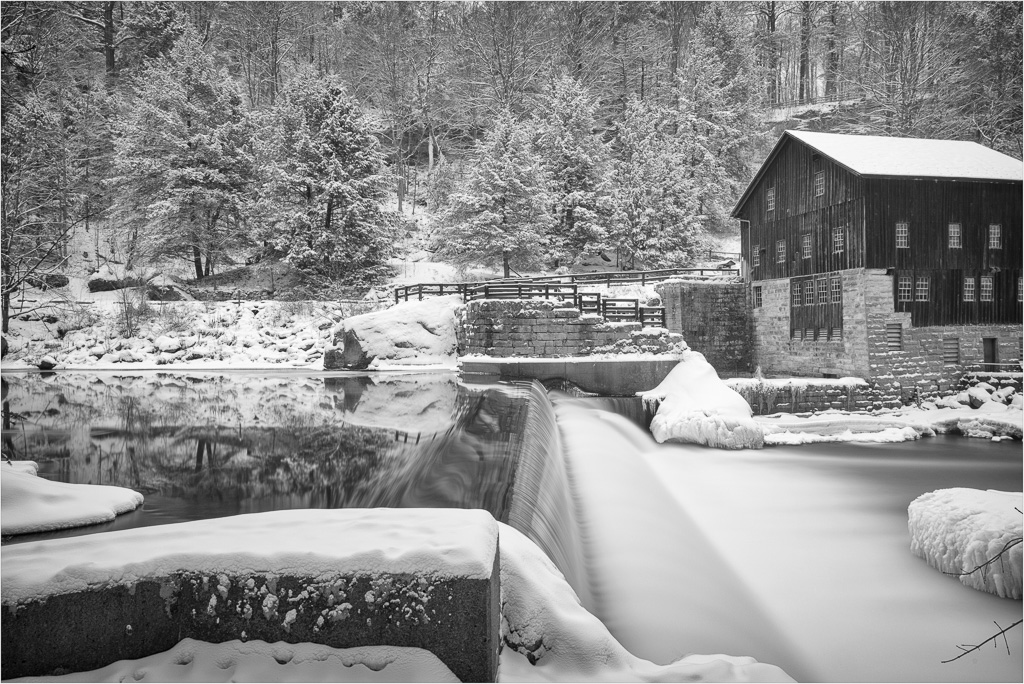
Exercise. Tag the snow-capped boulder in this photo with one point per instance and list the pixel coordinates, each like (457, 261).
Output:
(47, 363)
(167, 344)
(410, 333)
(694, 406)
(970, 533)
(977, 396)
(1003, 395)
(112, 278)
(1017, 402)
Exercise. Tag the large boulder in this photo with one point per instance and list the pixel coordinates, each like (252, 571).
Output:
(411, 333)
(108, 278)
(46, 281)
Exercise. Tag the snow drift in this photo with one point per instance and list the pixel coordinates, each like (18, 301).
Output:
(410, 333)
(694, 406)
(33, 504)
(971, 533)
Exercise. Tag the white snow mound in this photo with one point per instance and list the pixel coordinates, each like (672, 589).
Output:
(695, 406)
(33, 504)
(960, 531)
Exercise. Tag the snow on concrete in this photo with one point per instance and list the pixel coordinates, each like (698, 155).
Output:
(960, 531)
(549, 636)
(414, 333)
(435, 542)
(874, 155)
(695, 406)
(258, 661)
(29, 503)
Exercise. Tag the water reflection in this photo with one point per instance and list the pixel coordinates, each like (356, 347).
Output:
(222, 444)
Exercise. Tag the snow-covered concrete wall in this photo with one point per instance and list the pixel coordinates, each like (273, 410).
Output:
(426, 578)
(542, 328)
(714, 319)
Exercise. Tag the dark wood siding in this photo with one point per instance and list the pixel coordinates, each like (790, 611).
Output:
(929, 207)
(798, 212)
(946, 305)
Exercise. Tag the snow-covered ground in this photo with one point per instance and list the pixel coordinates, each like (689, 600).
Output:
(972, 534)
(29, 503)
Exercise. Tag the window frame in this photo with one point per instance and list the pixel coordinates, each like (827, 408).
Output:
(755, 255)
(819, 183)
(995, 236)
(769, 199)
(904, 294)
(836, 290)
(838, 239)
(989, 291)
(806, 246)
(809, 296)
(956, 239)
(921, 293)
(796, 297)
(902, 235)
(780, 251)
(822, 288)
(969, 291)
(757, 295)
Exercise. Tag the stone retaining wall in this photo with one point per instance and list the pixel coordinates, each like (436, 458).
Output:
(508, 328)
(784, 395)
(714, 319)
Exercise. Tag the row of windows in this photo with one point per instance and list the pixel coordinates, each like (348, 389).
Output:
(909, 289)
(819, 191)
(955, 236)
(838, 245)
(820, 290)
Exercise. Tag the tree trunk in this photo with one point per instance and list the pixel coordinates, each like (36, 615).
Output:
(806, 89)
(197, 261)
(832, 50)
(505, 264)
(108, 40)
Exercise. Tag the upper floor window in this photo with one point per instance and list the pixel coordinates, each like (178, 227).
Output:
(838, 239)
(822, 290)
(968, 289)
(755, 255)
(837, 290)
(805, 246)
(758, 296)
(819, 183)
(921, 289)
(955, 239)
(902, 235)
(769, 199)
(1020, 288)
(905, 289)
(780, 252)
(986, 288)
(995, 236)
(808, 292)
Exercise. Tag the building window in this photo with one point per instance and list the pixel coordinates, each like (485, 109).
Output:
(838, 239)
(903, 236)
(780, 252)
(921, 289)
(894, 336)
(755, 255)
(951, 351)
(822, 290)
(986, 288)
(769, 199)
(819, 183)
(905, 289)
(837, 290)
(795, 293)
(805, 246)
(955, 241)
(1020, 289)
(808, 292)
(758, 297)
(995, 236)
(968, 289)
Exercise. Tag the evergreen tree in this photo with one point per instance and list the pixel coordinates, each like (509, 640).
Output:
(185, 172)
(500, 215)
(327, 180)
(576, 161)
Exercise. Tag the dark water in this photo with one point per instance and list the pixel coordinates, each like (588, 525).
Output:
(204, 445)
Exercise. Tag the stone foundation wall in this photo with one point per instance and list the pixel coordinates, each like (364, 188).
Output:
(785, 396)
(714, 319)
(506, 328)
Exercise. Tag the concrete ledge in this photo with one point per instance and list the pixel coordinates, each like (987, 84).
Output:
(457, 617)
(608, 377)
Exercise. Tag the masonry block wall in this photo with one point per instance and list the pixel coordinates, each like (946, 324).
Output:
(509, 327)
(714, 319)
(783, 396)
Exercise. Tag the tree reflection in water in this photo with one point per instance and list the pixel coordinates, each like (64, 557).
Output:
(256, 442)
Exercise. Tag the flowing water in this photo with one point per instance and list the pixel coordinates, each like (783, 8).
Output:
(796, 556)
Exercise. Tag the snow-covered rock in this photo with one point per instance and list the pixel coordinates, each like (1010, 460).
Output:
(167, 344)
(977, 396)
(973, 534)
(695, 406)
(410, 333)
(33, 504)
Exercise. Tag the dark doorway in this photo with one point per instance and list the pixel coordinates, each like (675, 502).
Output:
(990, 349)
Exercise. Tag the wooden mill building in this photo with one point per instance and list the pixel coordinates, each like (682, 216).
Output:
(885, 258)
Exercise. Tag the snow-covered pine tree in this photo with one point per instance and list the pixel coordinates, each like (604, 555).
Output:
(499, 216)
(327, 182)
(184, 171)
(577, 163)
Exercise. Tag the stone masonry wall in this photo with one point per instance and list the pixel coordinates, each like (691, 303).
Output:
(714, 319)
(784, 396)
(506, 327)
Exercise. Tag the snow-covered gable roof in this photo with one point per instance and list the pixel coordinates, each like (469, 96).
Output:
(875, 156)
